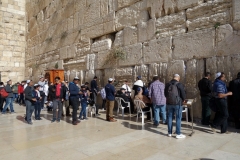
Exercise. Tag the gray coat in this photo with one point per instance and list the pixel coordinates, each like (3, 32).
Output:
(9, 91)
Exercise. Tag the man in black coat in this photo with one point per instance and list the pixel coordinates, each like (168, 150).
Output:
(29, 100)
(205, 87)
(234, 87)
(57, 94)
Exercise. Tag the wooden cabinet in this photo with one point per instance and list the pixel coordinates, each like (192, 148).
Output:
(51, 74)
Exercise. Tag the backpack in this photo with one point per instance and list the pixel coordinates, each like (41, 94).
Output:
(173, 94)
(3, 93)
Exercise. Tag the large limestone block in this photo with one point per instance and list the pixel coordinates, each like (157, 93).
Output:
(141, 70)
(103, 8)
(133, 55)
(130, 36)
(176, 67)
(208, 14)
(123, 74)
(157, 50)
(90, 59)
(146, 30)
(93, 10)
(236, 14)
(155, 8)
(63, 53)
(131, 15)
(109, 27)
(184, 4)
(236, 66)
(227, 41)
(101, 60)
(101, 45)
(170, 7)
(198, 44)
(191, 75)
(94, 31)
(211, 66)
(118, 42)
(124, 3)
(224, 64)
(171, 25)
(200, 69)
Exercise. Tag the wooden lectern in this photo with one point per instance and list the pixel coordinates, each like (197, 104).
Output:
(51, 74)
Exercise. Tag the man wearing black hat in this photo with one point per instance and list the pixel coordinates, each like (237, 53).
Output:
(234, 87)
(74, 99)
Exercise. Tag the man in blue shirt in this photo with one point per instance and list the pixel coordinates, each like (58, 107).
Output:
(74, 99)
(110, 98)
(221, 94)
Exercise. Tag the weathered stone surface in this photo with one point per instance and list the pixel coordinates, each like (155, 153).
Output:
(184, 4)
(146, 30)
(197, 44)
(227, 41)
(171, 25)
(118, 39)
(124, 3)
(176, 67)
(101, 60)
(155, 8)
(211, 66)
(236, 14)
(130, 36)
(133, 55)
(190, 78)
(235, 66)
(208, 14)
(200, 69)
(101, 45)
(141, 70)
(157, 50)
(224, 64)
(131, 15)
(122, 74)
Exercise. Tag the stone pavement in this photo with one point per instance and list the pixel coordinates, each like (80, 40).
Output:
(97, 139)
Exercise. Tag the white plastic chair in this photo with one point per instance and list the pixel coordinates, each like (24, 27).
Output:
(138, 104)
(119, 99)
(91, 110)
(186, 111)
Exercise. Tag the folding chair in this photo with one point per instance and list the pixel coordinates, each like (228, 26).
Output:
(119, 99)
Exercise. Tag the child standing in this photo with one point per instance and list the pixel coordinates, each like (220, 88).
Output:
(37, 103)
(84, 102)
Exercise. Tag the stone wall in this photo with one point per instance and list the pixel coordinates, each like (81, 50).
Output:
(12, 40)
(161, 37)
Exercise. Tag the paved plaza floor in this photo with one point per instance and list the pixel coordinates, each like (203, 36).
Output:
(98, 139)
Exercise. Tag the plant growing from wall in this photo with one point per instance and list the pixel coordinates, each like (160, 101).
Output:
(56, 65)
(114, 55)
(64, 35)
(217, 25)
(48, 40)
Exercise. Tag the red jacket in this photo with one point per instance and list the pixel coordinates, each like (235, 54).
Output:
(20, 89)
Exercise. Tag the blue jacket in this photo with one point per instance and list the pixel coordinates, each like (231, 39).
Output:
(110, 91)
(219, 87)
(35, 95)
(84, 97)
(73, 90)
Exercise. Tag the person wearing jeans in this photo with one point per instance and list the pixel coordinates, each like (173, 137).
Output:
(37, 103)
(29, 100)
(156, 94)
(162, 110)
(9, 99)
(175, 95)
(172, 111)
(84, 103)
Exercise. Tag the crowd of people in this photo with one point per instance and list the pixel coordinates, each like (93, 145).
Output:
(165, 101)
